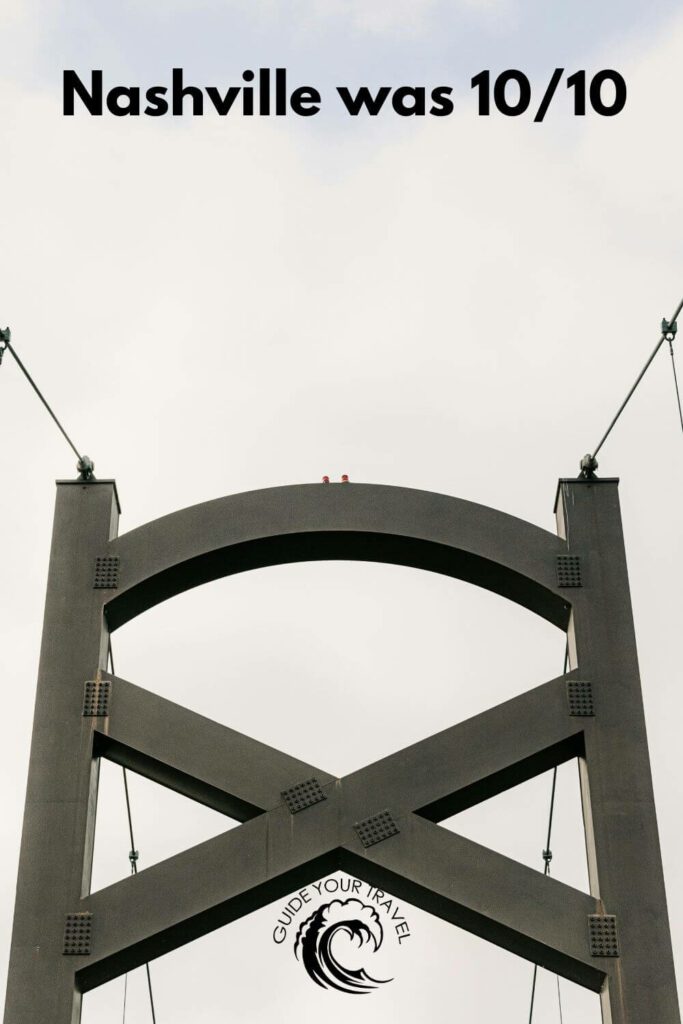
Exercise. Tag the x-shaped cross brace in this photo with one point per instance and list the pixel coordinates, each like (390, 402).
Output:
(276, 851)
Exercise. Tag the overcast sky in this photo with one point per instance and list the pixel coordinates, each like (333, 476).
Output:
(455, 304)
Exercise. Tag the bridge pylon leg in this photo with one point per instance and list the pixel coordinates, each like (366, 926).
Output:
(49, 940)
(624, 859)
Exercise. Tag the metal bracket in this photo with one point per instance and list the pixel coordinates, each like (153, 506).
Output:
(588, 466)
(86, 468)
(669, 329)
(5, 340)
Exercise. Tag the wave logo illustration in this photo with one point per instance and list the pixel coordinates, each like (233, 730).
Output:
(315, 941)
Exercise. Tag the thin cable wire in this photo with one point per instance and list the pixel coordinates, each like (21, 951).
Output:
(125, 997)
(546, 851)
(133, 861)
(546, 868)
(110, 655)
(559, 997)
(37, 390)
(533, 993)
(638, 380)
(133, 849)
(546, 871)
(678, 394)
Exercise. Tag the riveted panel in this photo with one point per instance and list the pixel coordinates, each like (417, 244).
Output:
(96, 698)
(303, 795)
(376, 829)
(580, 698)
(568, 571)
(77, 934)
(106, 573)
(602, 934)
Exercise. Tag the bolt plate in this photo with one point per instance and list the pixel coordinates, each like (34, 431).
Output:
(376, 829)
(96, 698)
(106, 573)
(568, 571)
(580, 698)
(602, 934)
(77, 934)
(303, 795)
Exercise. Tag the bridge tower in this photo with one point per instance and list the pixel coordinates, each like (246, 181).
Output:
(380, 823)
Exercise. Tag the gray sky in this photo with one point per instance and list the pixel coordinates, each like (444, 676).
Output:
(457, 305)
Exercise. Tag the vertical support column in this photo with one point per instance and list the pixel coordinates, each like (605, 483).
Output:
(621, 828)
(59, 817)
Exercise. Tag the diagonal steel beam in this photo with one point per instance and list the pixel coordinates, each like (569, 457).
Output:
(475, 759)
(236, 873)
(194, 755)
(487, 894)
(438, 776)
(206, 887)
(232, 875)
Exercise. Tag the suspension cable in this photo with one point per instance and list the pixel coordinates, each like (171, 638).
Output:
(86, 467)
(133, 858)
(547, 857)
(589, 462)
(678, 394)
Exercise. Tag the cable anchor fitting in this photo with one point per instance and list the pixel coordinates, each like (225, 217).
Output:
(547, 856)
(133, 858)
(5, 340)
(588, 466)
(669, 330)
(86, 468)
